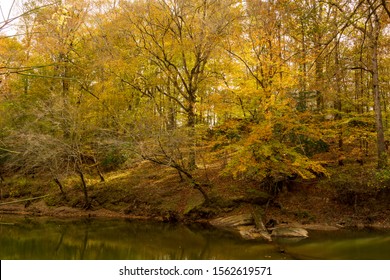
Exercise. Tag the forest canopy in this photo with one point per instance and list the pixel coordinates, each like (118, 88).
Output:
(270, 89)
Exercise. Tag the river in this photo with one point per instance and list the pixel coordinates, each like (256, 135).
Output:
(115, 239)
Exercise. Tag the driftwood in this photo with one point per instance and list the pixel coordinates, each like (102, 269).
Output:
(257, 218)
(245, 225)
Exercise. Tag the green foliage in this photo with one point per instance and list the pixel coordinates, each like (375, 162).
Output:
(112, 159)
(309, 146)
(382, 178)
(258, 156)
(277, 145)
(362, 122)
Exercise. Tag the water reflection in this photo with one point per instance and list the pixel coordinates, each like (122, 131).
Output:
(119, 239)
(342, 245)
(100, 239)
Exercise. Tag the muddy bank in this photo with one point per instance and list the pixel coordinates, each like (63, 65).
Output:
(41, 209)
(277, 217)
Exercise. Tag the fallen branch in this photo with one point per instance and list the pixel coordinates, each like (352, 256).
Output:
(21, 200)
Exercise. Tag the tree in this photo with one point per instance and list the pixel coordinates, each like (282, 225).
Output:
(267, 144)
(6, 16)
(373, 32)
(57, 132)
(368, 18)
(270, 83)
(179, 39)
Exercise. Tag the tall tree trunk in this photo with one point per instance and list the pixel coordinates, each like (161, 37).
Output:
(374, 41)
(63, 72)
(319, 62)
(191, 133)
(359, 93)
(302, 105)
(338, 103)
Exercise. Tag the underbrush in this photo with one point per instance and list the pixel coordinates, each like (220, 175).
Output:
(352, 192)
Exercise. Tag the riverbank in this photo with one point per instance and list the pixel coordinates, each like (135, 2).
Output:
(154, 192)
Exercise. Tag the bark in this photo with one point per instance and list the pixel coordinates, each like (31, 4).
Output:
(87, 204)
(59, 185)
(359, 94)
(374, 41)
(191, 134)
(257, 218)
(100, 174)
(319, 81)
(196, 185)
(319, 73)
(302, 106)
(98, 170)
(386, 8)
(338, 104)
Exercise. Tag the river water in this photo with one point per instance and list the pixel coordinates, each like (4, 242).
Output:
(113, 239)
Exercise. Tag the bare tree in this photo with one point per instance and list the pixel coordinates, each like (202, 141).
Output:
(168, 148)
(179, 39)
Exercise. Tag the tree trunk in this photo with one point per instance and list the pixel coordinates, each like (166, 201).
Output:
(100, 174)
(193, 182)
(302, 103)
(198, 187)
(374, 38)
(98, 169)
(318, 82)
(359, 94)
(257, 214)
(59, 185)
(191, 133)
(85, 190)
(338, 104)
(319, 62)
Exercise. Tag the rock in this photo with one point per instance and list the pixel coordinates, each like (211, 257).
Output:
(233, 221)
(243, 225)
(289, 232)
(251, 233)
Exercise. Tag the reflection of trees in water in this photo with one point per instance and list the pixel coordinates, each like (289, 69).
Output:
(118, 239)
(145, 240)
(205, 250)
(63, 230)
(85, 241)
(342, 245)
